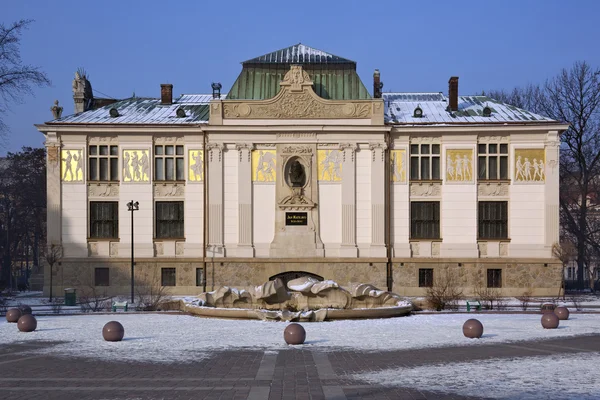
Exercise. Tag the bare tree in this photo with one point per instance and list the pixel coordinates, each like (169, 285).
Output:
(574, 97)
(16, 79)
(53, 256)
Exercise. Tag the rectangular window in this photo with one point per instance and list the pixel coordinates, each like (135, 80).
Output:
(104, 219)
(425, 277)
(168, 276)
(168, 163)
(169, 219)
(493, 220)
(199, 276)
(492, 161)
(101, 277)
(494, 278)
(103, 161)
(424, 162)
(425, 220)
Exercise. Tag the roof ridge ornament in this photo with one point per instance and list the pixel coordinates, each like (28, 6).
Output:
(296, 78)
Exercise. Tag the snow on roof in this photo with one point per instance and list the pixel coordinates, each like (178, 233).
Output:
(400, 108)
(298, 53)
(138, 110)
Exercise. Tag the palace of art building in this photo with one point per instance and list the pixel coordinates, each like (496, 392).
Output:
(300, 170)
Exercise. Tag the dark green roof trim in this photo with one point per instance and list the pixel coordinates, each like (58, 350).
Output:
(339, 82)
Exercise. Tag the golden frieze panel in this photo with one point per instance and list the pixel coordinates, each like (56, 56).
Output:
(196, 165)
(329, 167)
(459, 165)
(71, 165)
(264, 166)
(530, 165)
(136, 166)
(398, 165)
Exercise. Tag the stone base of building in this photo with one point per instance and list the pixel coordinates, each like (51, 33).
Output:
(536, 277)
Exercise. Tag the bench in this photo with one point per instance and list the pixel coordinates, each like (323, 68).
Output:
(473, 303)
(119, 305)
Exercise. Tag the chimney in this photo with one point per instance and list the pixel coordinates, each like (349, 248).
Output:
(377, 84)
(453, 93)
(166, 93)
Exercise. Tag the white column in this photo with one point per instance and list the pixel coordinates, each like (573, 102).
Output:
(348, 248)
(245, 248)
(53, 216)
(377, 199)
(215, 199)
(552, 189)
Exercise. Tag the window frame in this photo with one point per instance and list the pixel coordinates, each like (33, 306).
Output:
(429, 158)
(496, 277)
(95, 162)
(498, 156)
(201, 281)
(114, 221)
(436, 220)
(163, 276)
(163, 172)
(425, 277)
(498, 226)
(160, 232)
(96, 276)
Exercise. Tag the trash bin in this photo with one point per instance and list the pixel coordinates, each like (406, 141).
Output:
(70, 297)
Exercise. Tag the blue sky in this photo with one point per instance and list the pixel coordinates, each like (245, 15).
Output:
(135, 45)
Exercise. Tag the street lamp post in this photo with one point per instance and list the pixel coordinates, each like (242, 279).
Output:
(132, 206)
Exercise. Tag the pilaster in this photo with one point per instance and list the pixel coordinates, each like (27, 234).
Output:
(348, 247)
(215, 199)
(53, 189)
(552, 189)
(378, 199)
(245, 248)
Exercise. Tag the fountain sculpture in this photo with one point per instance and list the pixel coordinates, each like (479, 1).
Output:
(304, 299)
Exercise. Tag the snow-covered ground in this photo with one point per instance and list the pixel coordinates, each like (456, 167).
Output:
(170, 338)
(572, 376)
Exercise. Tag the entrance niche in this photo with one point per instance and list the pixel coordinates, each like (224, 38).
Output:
(296, 214)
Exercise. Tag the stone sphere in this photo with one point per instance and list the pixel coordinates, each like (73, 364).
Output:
(13, 315)
(113, 331)
(473, 329)
(550, 321)
(27, 323)
(294, 334)
(25, 309)
(562, 313)
(547, 308)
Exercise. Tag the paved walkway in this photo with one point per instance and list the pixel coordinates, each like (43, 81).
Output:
(26, 373)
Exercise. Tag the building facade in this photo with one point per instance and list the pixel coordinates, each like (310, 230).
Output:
(299, 170)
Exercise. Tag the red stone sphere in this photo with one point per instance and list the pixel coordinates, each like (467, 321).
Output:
(550, 321)
(294, 334)
(473, 329)
(27, 323)
(113, 331)
(13, 315)
(547, 308)
(562, 313)
(25, 309)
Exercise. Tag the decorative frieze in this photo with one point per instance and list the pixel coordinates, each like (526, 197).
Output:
(103, 190)
(196, 165)
(179, 248)
(493, 139)
(483, 249)
(169, 140)
(169, 190)
(136, 166)
(264, 164)
(496, 189)
(425, 189)
(435, 249)
(108, 139)
(297, 135)
(503, 249)
(329, 165)
(414, 248)
(297, 150)
(459, 165)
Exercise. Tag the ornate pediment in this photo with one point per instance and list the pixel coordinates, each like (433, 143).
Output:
(297, 100)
